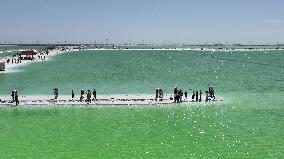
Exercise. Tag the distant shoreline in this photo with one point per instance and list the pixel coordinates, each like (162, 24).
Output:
(186, 49)
(136, 44)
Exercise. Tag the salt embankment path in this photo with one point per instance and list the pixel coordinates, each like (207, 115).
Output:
(117, 99)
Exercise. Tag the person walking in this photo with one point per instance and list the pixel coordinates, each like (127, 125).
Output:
(82, 95)
(13, 96)
(161, 93)
(55, 92)
(95, 95)
(185, 94)
(16, 98)
(175, 94)
(73, 95)
(180, 95)
(213, 93)
(89, 96)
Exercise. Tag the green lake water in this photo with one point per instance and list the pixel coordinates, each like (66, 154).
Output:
(248, 124)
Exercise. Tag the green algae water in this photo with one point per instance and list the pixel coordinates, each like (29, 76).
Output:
(248, 124)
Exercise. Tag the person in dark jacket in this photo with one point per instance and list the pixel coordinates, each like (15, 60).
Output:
(13, 96)
(175, 94)
(82, 95)
(55, 92)
(185, 94)
(89, 96)
(196, 96)
(16, 98)
(73, 95)
(95, 94)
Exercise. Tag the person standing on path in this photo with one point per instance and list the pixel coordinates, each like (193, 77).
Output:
(175, 94)
(13, 96)
(82, 95)
(73, 95)
(95, 95)
(185, 94)
(89, 96)
(196, 96)
(16, 98)
(55, 93)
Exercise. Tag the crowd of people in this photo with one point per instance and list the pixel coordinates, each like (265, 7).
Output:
(210, 93)
(89, 95)
(17, 58)
(196, 95)
(14, 60)
(82, 93)
(178, 95)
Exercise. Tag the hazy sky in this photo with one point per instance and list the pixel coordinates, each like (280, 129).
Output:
(189, 21)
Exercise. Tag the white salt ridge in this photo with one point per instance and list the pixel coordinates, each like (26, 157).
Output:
(115, 99)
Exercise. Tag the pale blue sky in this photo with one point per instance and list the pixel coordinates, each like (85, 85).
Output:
(189, 21)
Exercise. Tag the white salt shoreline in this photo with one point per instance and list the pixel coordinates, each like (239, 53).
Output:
(11, 67)
(115, 99)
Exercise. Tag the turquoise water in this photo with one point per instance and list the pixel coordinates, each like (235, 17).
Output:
(7, 53)
(143, 71)
(248, 124)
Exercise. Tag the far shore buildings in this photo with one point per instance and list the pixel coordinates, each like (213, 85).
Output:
(27, 55)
